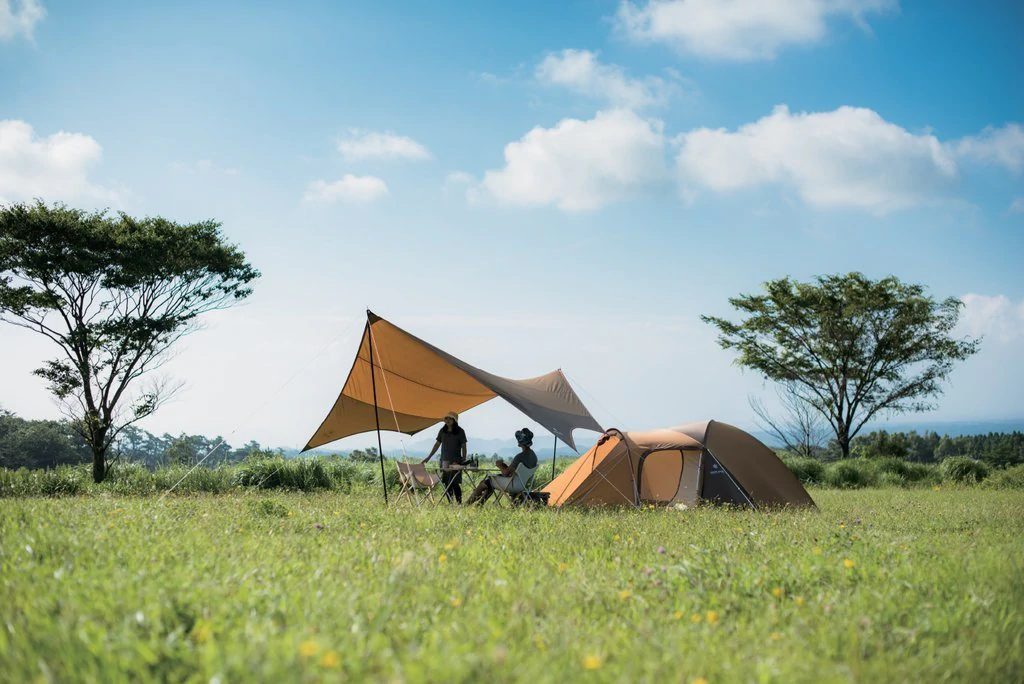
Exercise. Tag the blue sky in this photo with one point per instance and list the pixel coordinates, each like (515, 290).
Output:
(530, 185)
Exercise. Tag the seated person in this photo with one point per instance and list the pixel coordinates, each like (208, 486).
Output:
(526, 456)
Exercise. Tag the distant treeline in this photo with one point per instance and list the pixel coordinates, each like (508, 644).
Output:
(50, 443)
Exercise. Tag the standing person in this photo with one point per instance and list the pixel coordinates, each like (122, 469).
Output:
(526, 456)
(451, 439)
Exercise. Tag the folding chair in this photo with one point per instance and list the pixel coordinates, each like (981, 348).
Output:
(417, 483)
(516, 488)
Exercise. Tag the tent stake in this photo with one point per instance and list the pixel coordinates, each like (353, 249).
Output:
(376, 414)
(554, 452)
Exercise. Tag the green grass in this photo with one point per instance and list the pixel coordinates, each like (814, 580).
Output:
(307, 587)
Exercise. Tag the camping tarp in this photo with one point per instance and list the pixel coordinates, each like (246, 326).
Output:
(417, 384)
(707, 461)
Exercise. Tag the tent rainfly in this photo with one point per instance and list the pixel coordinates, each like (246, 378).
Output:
(709, 461)
(413, 384)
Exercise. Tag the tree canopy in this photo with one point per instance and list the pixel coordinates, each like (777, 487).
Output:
(848, 346)
(114, 293)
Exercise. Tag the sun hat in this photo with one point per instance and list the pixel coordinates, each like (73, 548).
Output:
(524, 437)
(453, 415)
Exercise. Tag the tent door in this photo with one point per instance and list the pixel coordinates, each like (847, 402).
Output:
(719, 487)
(661, 474)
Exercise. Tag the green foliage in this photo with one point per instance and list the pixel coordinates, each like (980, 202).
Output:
(807, 470)
(877, 586)
(848, 346)
(904, 472)
(114, 293)
(964, 470)
(851, 474)
(1010, 478)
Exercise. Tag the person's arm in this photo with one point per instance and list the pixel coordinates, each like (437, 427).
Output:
(432, 452)
(510, 469)
(465, 458)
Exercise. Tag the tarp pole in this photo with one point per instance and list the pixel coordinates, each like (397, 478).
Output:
(376, 414)
(554, 452)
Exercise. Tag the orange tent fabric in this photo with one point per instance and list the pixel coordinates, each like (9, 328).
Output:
(706, 461)
(417, 384)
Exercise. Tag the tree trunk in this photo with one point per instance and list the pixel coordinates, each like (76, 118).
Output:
(99, 466)
(844, 445)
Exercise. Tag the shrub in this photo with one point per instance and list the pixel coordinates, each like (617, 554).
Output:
(895, 470)
(963, 469)
(1008, 478)
(807, 470)
(850, 474)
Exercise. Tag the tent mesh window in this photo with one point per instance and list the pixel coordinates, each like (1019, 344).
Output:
(660, 473)
(719, 486)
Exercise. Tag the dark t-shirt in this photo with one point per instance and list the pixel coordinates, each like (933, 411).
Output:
(526, 457)
(451, 444)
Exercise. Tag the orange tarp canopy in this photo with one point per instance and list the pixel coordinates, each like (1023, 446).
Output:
(413, 384)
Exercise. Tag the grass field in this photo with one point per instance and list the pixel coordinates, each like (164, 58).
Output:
(880, 585)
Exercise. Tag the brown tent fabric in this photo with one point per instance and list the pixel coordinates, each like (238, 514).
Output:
(417, 384)
(707, 461)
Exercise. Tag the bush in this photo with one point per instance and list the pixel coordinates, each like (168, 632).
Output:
(963, 470)
(895, 470)
(1009, 478)
(850, 474)
(807, 470)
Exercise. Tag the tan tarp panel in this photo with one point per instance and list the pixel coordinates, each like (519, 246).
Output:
(667, 466)
(417, 384)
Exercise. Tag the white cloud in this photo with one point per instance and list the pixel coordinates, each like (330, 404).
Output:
(581, 165)
(998, 146)
(20, 20)
(362, 145)
(849, 157)
(349, 190)
(580, 71)
(52, 168)
(739, 29)
(1017, 205)
(994, 317)
(203, 166)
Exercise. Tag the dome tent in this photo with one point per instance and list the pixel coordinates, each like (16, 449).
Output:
(709, 461)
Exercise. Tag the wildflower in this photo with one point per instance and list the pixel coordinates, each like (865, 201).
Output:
(331, 660)
(591, 662)
(842, 526)
(616, 538)
(625, 594)
(848, 564)
(450, 545)
(539, 642)
(775, 636)
(442, 558)
(696, 618)
(799, 600)
(678, 615)
(308, 648)
(711, 617)
(289, 513)
(936, 488)
(816, 550)
(699, 680)
(562, 567)
(777, 592)
(319, 526)
(456, 601)
(201, 633)
(661, 549)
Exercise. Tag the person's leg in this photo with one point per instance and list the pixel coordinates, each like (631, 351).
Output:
(457, 486)
(446, 482)
(482, 490)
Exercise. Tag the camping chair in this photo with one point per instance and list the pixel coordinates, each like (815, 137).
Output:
(417, 483)
(517, 487)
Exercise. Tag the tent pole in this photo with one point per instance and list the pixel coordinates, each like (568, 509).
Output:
(554, 452)
(376, 414)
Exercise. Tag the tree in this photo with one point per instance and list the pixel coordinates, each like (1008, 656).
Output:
(850, 347)
(114, 293)
(801, 431)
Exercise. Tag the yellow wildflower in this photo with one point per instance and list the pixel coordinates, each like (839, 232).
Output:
(816, 550)
(562, 567)
(777, 592)
(848, 564)
(450, 545)
(696, 618)
(699, 680)
(616, 538)
(591, 662)
(711, 617)
(201, 632)
(775, 636)
(456, 601)
(678, 615)
(625, 594)
(308, 648)
(331, 659)
(799, 600)
(442, 558)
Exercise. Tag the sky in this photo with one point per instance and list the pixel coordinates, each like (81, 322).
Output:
(529, 185)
